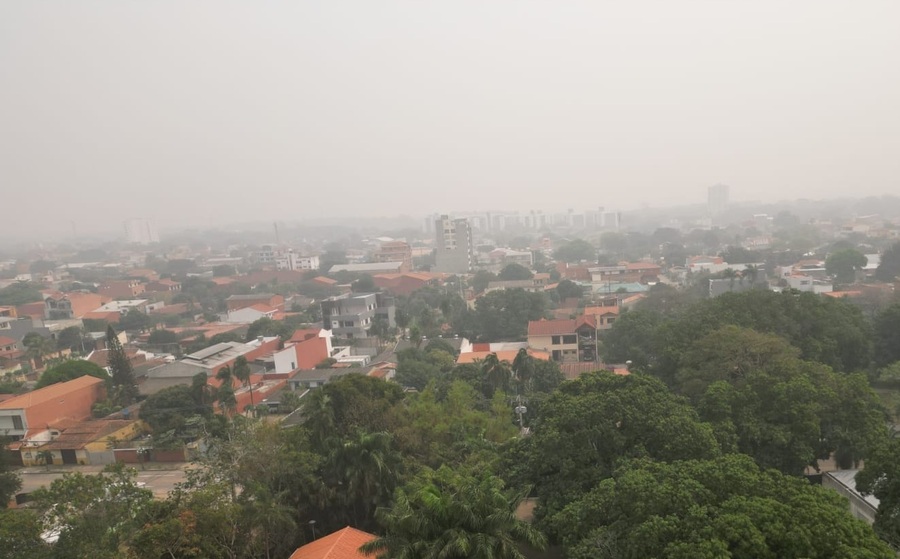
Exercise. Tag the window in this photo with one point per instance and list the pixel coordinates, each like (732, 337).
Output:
(555, 340)
(17, 423)
(610, 320)
(570, 339)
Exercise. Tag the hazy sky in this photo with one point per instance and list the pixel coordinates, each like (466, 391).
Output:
(211, 112)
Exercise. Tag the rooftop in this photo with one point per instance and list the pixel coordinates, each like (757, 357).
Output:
(49, 393)
(343, 544)
(559, 326)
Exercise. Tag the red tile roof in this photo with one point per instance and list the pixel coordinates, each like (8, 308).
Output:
(7, 341)
(343, 544)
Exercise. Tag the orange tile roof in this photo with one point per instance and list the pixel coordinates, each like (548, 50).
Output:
(343, 544)
(52, 392)
(7, 341)
(595, 311)
(323, 279)
(839, 294)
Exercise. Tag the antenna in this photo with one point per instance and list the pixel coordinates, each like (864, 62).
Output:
(277, 236)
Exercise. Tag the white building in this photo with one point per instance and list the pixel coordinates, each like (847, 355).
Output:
(141, 231)
(292, 261)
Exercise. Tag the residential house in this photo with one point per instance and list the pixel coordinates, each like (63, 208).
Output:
(75, 444)
(567, 340)
(74, 304)
(352, 315)
(395, 251)
(537, 284)
(33, 412)
(405, 284)
(801, 282)
(237, 302)
(248, 315)
(629, 272)
(292, 261)
(500, 257)
(311, 346)
(121, 289)
(163, 286)
(343, 544)
(209, 360)
(604, 316)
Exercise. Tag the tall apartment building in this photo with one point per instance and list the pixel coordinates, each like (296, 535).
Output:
(717, 198)
(141, 231)
(455, 249)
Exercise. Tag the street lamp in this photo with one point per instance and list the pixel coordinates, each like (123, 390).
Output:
(312, 525)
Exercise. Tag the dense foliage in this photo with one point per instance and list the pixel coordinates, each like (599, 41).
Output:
(70, 370)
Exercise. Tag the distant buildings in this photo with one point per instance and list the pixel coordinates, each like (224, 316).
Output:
(455, 248)
(141, 231)
(717, 198)
(352, 315)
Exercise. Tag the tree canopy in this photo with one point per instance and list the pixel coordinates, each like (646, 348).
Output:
(844, 264)
(889, 266)
(723, 507)
(515, 271)
(576, 250)
(70, 370)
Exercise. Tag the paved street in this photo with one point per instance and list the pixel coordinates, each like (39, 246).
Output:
(160, 481)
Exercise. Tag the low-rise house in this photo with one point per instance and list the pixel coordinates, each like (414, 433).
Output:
(121, 289)
(76, 443)
(252, 313)
(75, 304)
(33, 412)
(237, 302)
(405, 284)
(209, 361)
(604, 316)
(163, 286)
(566, 340)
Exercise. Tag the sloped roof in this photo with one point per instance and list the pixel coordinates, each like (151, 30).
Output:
(558, 326)
(48, 393)
(343, 544)
(83, 433)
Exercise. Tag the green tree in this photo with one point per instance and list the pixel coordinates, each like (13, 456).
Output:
(724, 507)
(135, 320)
(454, 516)
(887, 335)
(889, 265)
(70, 338)
(121, 371)
(20, 293)
(70, 370)
(362, 473)
(241, 371)
(171, 409)
(269, 328)
(94, 515)
(576, 250)
(20, 535)
(225, 393)
(10, 482)
(504, 314)
(568, 289)
(784, 412)
(515, 271)
(37, 347)
(587, 426)
(844, 264)
(163, 337)
(480, 280)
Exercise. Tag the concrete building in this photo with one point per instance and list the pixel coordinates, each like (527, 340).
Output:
(395, 251)
(352, 315)
(370, 268)
(862, 506)
(292, 261)
(717, 198)
(454, 246)
(34, 412)
(141, 231)
(75, 304)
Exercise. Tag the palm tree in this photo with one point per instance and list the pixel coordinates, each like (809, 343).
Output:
(241, 371)
(319, 412)
(367, 470)
(225, 394)
(37, 347)
(523, 369)
(453, 516)
(496, 372)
